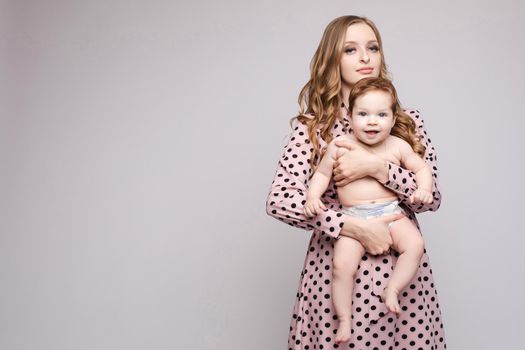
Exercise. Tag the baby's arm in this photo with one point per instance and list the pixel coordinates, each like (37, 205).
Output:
(319, 182)
(413, 162)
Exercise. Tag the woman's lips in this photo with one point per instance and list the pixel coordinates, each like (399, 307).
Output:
(365, 70)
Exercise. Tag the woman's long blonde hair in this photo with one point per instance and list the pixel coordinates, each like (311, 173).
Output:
(404, 126)
(320, 99)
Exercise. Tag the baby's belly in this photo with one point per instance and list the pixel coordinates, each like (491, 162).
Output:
(364, 191)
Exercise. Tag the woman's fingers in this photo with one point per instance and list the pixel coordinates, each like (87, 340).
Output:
(380, 250)
(376, 237)
(343, 174)
(352, 163)
(391, 218)
(342, 182)
(339, 177)
(346, 144)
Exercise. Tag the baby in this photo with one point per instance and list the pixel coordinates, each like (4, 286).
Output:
(375, 117)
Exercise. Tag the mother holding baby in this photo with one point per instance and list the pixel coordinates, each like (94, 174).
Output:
(350, 50)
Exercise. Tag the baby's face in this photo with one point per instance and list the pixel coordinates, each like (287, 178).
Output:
(372, 117)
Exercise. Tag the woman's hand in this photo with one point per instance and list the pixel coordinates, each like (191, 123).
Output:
(354, 162)
(373, 234)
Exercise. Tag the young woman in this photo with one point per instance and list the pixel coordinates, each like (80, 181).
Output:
(350, 50)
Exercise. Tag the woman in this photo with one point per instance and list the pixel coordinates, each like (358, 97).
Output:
(350, 50)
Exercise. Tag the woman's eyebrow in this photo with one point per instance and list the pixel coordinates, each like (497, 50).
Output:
(368, 42)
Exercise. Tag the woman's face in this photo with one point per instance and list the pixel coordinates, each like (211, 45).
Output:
(361, 57)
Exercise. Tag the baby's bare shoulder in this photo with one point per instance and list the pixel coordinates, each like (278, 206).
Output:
(398, 142)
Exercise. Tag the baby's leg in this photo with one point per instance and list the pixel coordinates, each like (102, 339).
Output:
(347, 255)
(410, 245)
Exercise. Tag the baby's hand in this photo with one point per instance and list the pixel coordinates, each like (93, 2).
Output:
(313, 206)
(421, 196)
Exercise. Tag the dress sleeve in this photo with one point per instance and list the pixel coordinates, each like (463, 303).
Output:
(289, 187)
(403, 182)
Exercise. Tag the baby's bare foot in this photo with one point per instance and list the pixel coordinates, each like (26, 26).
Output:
(389, 297)
(343, 332)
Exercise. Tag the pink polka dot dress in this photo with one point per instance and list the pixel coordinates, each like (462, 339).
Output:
(314, 321)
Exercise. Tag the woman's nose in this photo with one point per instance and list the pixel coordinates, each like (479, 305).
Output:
(364, 57)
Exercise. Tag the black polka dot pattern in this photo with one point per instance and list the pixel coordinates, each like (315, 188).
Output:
(314, 322)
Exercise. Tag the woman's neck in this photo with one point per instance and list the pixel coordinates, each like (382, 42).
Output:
(345, 93)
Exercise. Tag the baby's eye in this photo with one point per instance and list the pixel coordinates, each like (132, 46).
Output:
(382, 114)
(362, 114)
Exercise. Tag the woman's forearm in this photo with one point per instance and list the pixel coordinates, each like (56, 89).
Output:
(288, 190)
(351, 228)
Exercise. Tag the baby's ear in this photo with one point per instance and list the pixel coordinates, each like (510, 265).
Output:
(394, 120)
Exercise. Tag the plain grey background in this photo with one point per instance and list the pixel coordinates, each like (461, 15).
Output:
(139, 140)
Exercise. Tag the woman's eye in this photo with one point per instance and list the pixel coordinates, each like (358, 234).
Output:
(349, 50)
(374, 48)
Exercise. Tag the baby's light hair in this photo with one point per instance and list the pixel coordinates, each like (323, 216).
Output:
(404, 127)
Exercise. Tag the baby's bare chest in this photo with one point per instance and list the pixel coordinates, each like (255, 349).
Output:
(390, 154)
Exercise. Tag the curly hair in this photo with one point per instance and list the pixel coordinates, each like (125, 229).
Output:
(320, 99)
(404, 127)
